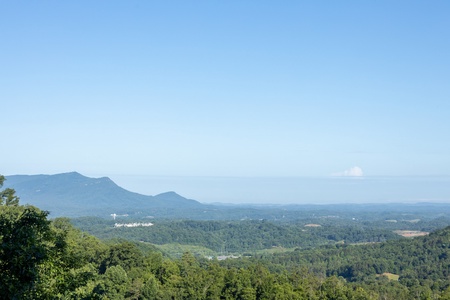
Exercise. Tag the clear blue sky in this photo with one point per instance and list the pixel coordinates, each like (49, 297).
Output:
(130, 89)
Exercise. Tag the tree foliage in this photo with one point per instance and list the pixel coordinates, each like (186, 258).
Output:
(24, 245)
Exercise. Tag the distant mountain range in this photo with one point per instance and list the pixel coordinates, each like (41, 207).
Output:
(72, 194)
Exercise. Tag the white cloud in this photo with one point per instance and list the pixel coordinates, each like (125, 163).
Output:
(352, 172)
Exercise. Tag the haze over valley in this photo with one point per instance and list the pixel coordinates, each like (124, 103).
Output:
(296, 190)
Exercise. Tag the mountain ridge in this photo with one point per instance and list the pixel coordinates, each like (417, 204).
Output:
(73, 194)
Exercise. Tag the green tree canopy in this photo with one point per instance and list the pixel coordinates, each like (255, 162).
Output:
(24, 237)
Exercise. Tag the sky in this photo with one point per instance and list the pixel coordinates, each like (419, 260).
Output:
(173, 94)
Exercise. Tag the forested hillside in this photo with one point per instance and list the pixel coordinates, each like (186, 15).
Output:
(420, 265)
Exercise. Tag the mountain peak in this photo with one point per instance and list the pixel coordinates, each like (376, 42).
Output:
(174, 198)
(73, 173)
(169, 193)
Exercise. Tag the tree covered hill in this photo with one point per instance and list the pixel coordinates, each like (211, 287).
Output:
(420, 266)
(72, 194)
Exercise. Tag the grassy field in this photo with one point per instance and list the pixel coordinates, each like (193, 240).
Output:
(411, 233)
(274, 250)
(177, 250)
(390, 276)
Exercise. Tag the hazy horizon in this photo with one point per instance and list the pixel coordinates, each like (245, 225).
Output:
(291, 190)
(230, 90)
(295, 190)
